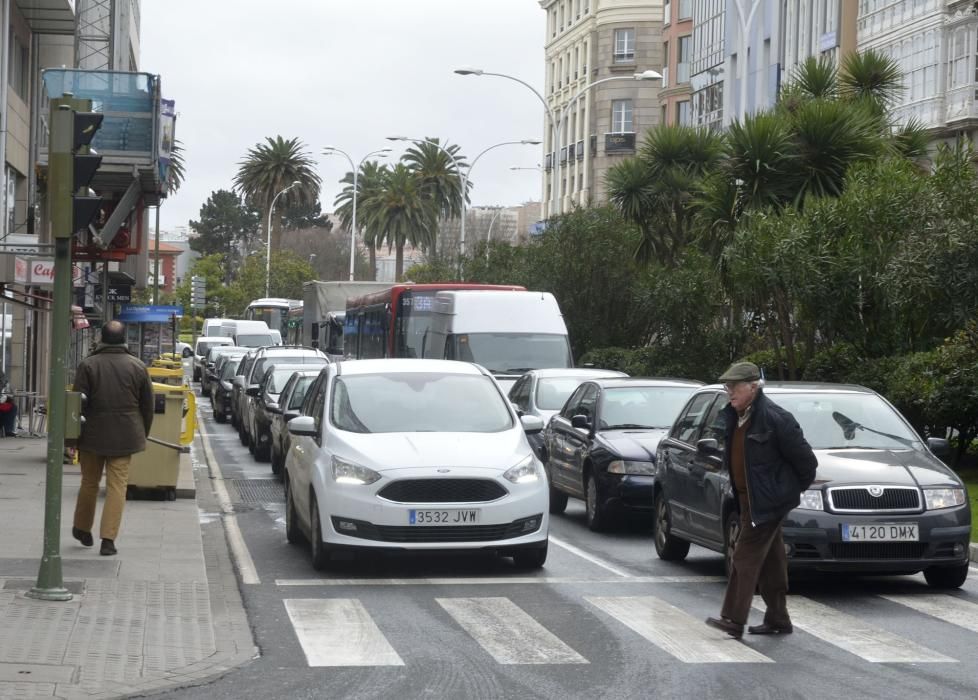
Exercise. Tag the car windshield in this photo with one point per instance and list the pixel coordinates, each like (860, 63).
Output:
(641, 406)
(278, 379)
(844, 420)
(262, 364)
(413, 402)
(230, 368)
(299, 392)
(204, 345)
(552, 392)
(254, 341)
(512, 353)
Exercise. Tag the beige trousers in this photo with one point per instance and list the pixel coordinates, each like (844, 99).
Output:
(116, 480)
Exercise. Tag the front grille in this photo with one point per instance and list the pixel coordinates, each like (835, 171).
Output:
(442, 491)
(859, 499)
(877, 550)
(421, 534)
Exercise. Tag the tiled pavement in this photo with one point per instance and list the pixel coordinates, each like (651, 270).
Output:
(165, 612)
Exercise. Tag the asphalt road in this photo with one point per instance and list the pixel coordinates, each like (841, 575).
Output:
(605, 618)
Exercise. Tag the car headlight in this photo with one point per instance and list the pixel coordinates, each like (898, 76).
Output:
(811, 500)
(350, 473)
(625, 466)
(943, 498)
(527, 471)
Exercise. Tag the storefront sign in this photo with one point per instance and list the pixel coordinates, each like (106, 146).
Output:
(39, 272)
(119, 292)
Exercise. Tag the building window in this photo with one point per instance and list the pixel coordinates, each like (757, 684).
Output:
(11, 195)
(624, 45)
(684, 53)
(621, 117)
(665, 64)
(667, 12)
(685, 9)
(684, 114)
(19, 67)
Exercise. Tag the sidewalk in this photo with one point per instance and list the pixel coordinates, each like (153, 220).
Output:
(163, 613)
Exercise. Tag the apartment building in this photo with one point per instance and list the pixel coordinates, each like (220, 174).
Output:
(588, 41)
(677, 53)
(935, 42)
(707, 67)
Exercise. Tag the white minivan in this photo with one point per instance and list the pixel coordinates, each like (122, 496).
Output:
(212, 326)
(249, 334)
(508, 333)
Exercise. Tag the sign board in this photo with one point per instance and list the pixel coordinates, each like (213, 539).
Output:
(39, 272)
(119, 292)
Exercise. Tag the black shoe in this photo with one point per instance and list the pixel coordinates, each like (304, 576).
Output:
(765, 628)
(108, 548)
(729, 626)
(84, 537)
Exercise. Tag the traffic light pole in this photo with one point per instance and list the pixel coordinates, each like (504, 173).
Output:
(50, 583)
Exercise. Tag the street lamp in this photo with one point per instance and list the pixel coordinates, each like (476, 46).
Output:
(268, 237)
(489, 232)
(557, 124)
(463, 176)
(380, 153)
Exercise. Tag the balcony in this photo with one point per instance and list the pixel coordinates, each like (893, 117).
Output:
(48, 16)
(563, 155)
(619, 142)
(580, 150)
(570, 152)
(129, 137)
(962, 104)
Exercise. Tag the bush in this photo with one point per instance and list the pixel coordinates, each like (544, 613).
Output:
(832, 364)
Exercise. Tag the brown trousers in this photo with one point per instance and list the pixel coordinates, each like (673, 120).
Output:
(759, 561)
(116, 480)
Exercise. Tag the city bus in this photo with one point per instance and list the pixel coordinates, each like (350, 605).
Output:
(273, 312)
(394, 322)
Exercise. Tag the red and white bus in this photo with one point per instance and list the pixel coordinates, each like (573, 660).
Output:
(393, 323)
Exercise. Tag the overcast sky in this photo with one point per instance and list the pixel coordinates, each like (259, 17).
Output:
(347, 73)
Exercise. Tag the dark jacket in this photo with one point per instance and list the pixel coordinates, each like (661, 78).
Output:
(119, 408)
(779, 461)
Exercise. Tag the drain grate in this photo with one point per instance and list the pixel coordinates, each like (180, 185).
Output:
(259, 490)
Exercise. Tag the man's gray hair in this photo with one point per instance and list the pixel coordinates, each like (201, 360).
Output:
(114, 333)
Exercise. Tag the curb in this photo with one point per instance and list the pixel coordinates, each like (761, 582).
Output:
(974, 552)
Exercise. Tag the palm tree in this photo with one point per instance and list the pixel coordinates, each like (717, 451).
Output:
(873, 79)
(270, 167)
(176, 171)
(370, 181)
(655, 191)
(399, 213)
(440, 181)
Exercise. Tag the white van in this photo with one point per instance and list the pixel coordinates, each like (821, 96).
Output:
(248, 334)
(212, 326)
(508, 333)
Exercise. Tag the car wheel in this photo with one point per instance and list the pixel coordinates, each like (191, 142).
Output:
(558, 501)
(252, 447)
(196, 374)
(187, 352)
(668, 547)
(241, 434)
(597, 518)
(529, 558)
(219, 416)
(320, 555)
(263, 452)
(276, 464)
(946, 577)
(292, 532)
(731, 534)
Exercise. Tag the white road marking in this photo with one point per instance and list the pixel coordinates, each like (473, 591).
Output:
(339, 632)
(942, 606)
(677, 633)
(855, 635)
(246, 565)
(508, 633)
(589, 557)
(489, 580)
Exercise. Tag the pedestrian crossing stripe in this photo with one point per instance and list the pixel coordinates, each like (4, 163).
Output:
(855, 635)
(341, 632)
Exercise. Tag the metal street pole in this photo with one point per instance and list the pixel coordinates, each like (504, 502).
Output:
(489, 232)
(50, 583)
(268, 237)
(380, 153)
(156, 260)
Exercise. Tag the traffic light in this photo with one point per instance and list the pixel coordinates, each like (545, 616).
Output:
(72, 165)
(198, 292)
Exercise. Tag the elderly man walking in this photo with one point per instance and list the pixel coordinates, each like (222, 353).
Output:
(118, 415)
(770, 464)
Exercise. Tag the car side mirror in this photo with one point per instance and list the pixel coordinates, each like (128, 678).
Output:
(273, 407)
(290, 415)
(531, 424)
(516, 407)
(252, 390)
(707, 446)
(580, 421)
(939, 446)
(303, 425)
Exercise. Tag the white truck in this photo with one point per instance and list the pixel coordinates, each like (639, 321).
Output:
(324, 311)
(508, 333)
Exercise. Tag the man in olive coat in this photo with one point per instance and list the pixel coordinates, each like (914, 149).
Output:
(118, 415)
(770, 464)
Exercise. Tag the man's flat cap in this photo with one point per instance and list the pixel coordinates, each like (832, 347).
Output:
(741, 372)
